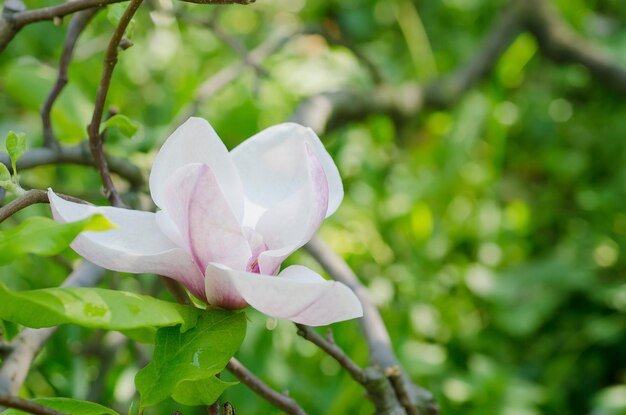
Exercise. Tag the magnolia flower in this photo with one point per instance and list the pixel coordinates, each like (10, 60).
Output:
(228, 220)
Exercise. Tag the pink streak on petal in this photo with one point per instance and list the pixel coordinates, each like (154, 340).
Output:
(208, 228)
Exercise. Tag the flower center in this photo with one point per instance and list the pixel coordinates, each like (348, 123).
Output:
(257, 247)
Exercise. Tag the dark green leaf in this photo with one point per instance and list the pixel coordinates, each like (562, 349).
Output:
(184, 364)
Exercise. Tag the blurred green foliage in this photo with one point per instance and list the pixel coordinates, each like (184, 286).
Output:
(491, 234)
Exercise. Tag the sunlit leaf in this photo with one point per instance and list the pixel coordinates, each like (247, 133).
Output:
(93, 308)
(43, 236)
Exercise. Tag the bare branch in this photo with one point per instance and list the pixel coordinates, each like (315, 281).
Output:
(78, 154)
(28, 406)
(78, 23)
(333, 351)
(31, 197)
(28, 343)
(447, 90)
(279, 400)
(558, 41)
(95, 138)
(376, 334)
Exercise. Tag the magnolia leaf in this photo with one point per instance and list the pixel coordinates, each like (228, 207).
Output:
(5, 176)
(93, 308)
(200, 392)
(43, 236)
(16, 147)
(8, 329)
(127, 127)
(184, 365)
(67, 406)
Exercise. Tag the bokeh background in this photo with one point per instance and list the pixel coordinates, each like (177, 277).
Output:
(491, 232)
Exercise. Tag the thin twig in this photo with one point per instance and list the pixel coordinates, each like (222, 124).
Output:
(279, 400)
(28, 406)
(31, 197)
(78, 23)
(333, 351)
(95, 138)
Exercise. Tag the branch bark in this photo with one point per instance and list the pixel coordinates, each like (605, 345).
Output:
(95, 138)
(31, 197)
(27, 406)
(78, 23)
(559, 42)
(79, 155)
(279, 400)
(375, 332)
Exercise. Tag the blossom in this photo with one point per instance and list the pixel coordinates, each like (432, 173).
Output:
(227, 220)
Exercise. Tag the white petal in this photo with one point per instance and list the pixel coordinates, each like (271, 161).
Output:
(196, 142)
(290, 223)
(270, 172)
(206, 224)
(297, 294)
(136, 246)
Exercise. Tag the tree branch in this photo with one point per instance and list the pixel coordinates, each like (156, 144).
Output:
(559, 42)
(78, 154)
(447, 90)
(279, 400)
(333, 351)
(31, 197)
(78, 23)
(95, 138)
(372, 325)
(12, 21)
(28, 406)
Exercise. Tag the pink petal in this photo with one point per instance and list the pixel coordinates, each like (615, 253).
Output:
(136, 246)
(270, 172)
(208, 228)
(196, 142)
(297, 294)
(290, 223)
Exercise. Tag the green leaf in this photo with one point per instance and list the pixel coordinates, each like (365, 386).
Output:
(16, 147)
(8, 330)
(93, 308)
(185, 364)
(68, 406)
(125, 125)
(5, 176)
(200, 392)
(43, 236)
